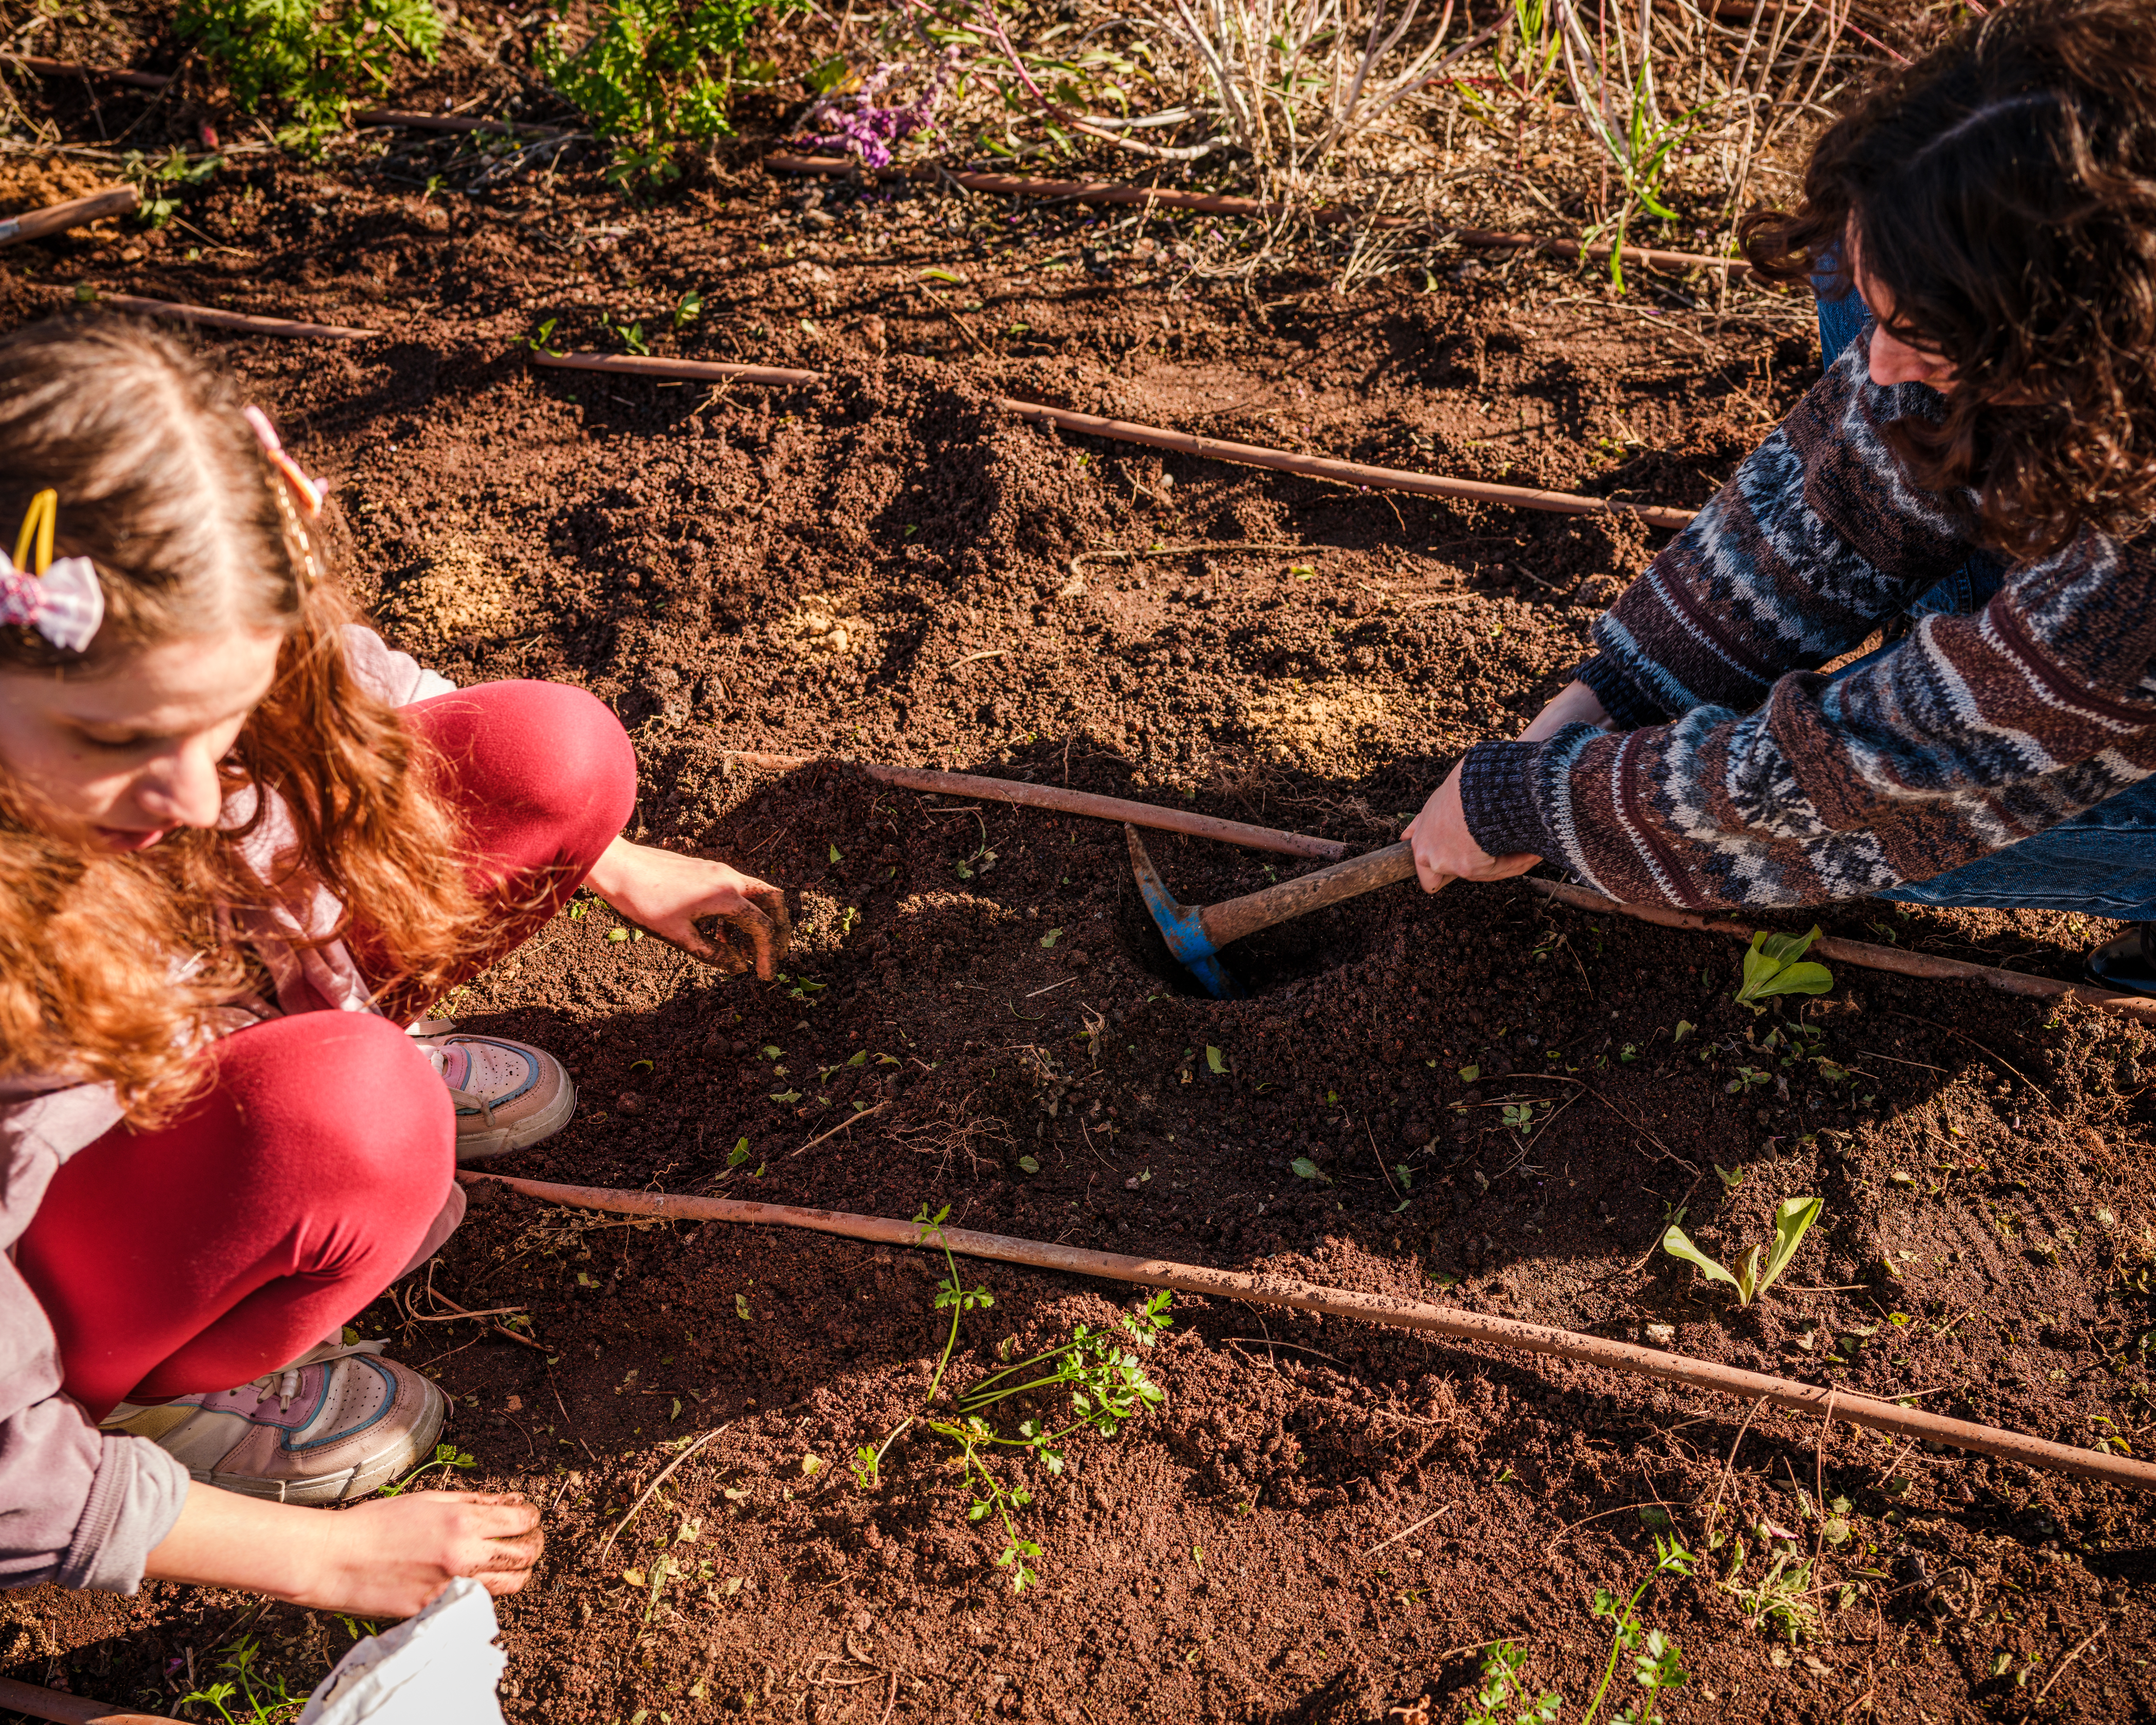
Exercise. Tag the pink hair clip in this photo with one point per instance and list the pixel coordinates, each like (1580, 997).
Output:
(313, 490)
(62, 601)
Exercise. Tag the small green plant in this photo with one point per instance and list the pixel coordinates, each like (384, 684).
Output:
(656, 75)
(686, 311)
(1520, 1116)
(1781, 1601)
(1503, 1699)
(1793, 1218)
(262, 1699)
(1772, 967)
(313, 56)
(1657, 1663)
(1106, 1381)
(446, 1456)
(952, 1296)
(630, 335)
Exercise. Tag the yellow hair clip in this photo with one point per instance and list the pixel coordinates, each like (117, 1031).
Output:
(38, 524)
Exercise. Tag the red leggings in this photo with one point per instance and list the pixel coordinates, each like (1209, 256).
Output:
(225, 1244)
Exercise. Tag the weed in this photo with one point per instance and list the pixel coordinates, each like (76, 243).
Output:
(1105, 1379)
(160, 181)
(687, 310)
(1502, 1699)
(1782, 1598)
(1771, 968)
(1656, 1662)
(630, 335)
(656, 75)
(313, 58)
(1793, 1218)
(262, 1699)
(1520, 1116)
(951, 1296)
(446, 1456)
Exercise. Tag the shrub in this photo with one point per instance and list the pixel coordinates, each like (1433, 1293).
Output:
(313, 55)
(656, 75)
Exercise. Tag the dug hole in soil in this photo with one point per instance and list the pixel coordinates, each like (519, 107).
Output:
(888, 567)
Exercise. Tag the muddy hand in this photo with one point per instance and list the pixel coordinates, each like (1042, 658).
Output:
(684, 899)
(762, 924)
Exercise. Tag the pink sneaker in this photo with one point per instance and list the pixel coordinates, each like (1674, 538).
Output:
(340, 1423)
(509, 1095)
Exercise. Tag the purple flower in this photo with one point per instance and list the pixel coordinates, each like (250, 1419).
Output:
(870, 131)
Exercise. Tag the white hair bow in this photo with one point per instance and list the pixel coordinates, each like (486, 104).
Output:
(62, 601)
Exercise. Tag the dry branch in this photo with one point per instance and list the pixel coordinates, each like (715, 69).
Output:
(1216, 204)
(1322, 467)
(1816, 1400)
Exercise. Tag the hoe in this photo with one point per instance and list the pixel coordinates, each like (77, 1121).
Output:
(1196, 933)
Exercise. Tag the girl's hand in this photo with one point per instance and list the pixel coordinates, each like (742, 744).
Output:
(1445, 849)
(665, 894)
(385, 1557)
(1575, 703)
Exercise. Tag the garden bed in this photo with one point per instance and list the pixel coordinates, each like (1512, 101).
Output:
(888, 567)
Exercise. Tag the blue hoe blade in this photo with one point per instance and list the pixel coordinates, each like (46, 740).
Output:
(1183, 927)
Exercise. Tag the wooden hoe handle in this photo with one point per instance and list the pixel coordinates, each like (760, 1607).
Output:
(1232, 919)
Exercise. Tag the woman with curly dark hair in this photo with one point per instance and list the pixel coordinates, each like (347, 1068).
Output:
(1977, 469)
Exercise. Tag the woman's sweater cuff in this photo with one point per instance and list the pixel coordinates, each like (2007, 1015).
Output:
(1497, 798)
(1622, 699)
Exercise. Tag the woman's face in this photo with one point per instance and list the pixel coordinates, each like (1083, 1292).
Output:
(134, 751)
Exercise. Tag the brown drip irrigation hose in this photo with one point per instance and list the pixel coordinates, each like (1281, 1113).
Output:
(1784, 1393)
(1346, 472)
(1864, 953)
(39, 1702)
(1063, 802)
(36, 224)
(209, 318)
(1216, 204)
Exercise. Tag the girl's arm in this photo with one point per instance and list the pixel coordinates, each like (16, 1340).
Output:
(384, 1558)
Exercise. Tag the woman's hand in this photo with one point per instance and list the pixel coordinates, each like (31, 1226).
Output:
(1445, 850)
(385, 1557)
(665, 894)
(1575, 703)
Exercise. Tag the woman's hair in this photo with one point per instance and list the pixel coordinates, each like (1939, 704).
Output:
(111, 964)
(2001, 191)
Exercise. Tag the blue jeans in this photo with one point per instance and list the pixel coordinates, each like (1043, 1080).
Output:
(2102, 863)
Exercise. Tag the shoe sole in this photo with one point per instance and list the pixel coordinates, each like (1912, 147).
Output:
(489, 1142)
(369, 1477)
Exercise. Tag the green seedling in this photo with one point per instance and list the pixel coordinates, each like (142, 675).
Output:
(1656, 1662)
(952, 1295)
(1730, 1177)
(1781, 1601)
(1772, 967)
(689, 307)
(1303, 1168)
(1520, 1116)
(446, 1456)
(1502, 1699)
(1793, 1218)
(262, 1699)
(1106, 1383)
(631, 335)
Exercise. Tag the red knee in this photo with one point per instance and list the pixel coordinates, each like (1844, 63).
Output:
(542, 772)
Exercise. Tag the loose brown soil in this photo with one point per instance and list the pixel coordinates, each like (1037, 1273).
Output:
(886, 567)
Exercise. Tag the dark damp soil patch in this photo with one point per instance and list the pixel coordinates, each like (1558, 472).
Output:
(883, 567)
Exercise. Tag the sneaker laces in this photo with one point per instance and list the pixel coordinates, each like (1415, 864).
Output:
(283, 1385)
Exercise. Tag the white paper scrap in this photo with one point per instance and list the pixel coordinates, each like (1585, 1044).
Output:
(439, 1668)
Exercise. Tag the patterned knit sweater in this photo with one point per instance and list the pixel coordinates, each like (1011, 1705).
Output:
(1738, 775)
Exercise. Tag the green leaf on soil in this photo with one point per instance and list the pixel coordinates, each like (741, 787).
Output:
(1468, 1075)
(1029, 1165)
(741, 1311)
(1678, 1245)
(786, 1096)
(835, 856)
(617, 934)
(1050, 938)
(1793, 1220)
(1685, 1028)
(1771, 968)
(1216, 1062)
(1305, 1169)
